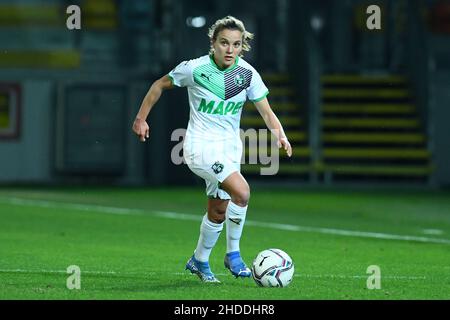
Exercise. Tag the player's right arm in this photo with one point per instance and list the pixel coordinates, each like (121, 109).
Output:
(140, 126)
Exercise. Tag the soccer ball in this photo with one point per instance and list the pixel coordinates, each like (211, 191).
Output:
(273, 268)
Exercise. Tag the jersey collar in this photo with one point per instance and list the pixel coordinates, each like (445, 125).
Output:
(227, 69)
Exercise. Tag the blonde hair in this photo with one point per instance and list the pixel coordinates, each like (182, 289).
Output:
(230, 22)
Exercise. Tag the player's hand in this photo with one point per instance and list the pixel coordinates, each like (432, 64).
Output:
(284, 142)
(141, 128)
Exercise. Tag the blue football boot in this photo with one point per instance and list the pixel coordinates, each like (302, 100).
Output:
(234, 263)
(201, 269)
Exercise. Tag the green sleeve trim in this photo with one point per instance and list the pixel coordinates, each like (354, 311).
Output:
(172, 79)
(259, 99)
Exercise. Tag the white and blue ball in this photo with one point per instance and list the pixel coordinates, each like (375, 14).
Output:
(273, 268)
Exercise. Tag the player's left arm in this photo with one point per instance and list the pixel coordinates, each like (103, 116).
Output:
(273, 124)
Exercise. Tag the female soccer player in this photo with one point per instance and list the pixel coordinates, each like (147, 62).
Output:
(218, 85)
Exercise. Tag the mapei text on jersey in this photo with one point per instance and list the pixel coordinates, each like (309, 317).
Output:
(219, 107)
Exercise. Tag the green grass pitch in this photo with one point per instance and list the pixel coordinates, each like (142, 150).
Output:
(133, 243)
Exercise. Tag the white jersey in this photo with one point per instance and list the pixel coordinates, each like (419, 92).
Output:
(216, 97)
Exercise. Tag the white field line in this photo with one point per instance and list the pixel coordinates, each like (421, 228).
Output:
(145, 273)
(435, 232)
(185, 216)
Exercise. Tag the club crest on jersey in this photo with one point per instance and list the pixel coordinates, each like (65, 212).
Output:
(217, 167)
(239, 80)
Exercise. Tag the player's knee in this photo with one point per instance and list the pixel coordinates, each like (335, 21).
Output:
(216, 215)
(242, 197)
(219, 219)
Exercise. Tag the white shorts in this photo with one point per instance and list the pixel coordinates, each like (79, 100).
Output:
(213, 162)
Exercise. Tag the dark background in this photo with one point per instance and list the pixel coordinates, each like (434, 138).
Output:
(363, 106)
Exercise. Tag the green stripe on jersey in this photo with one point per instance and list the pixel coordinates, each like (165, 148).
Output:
(208, 77)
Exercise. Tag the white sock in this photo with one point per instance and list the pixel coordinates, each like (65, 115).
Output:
(209, 233)
(235, 217)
